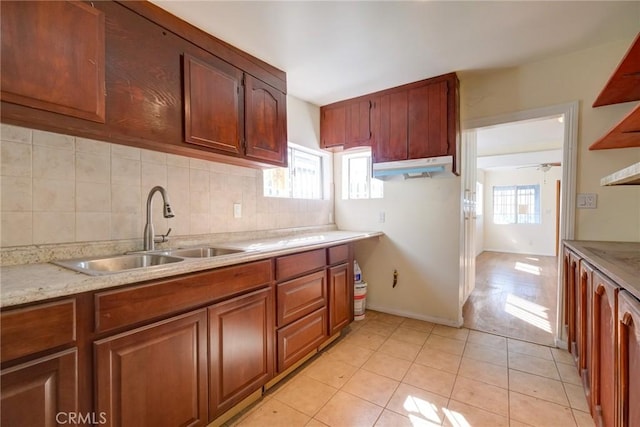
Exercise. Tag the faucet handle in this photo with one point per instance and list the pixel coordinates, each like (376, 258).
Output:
(161, 238)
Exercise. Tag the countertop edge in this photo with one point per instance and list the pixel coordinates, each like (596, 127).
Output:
(609, 266)
(68, 282)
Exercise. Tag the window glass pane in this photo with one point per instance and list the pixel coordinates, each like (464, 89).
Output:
(358, 177)
(276, 182)
(301, 180)
(516, 204)
(504, 205)
(357, 182)
(306, 175)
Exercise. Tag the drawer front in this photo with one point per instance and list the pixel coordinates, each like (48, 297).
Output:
(32, 329)
(301, 337)
(291, 266)
(129, 306)
(299, 297)
(338, 254)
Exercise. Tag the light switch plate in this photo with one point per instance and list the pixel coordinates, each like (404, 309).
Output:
(587, 201)
(237, 210)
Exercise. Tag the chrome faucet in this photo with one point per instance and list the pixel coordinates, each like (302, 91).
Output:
(149, 236)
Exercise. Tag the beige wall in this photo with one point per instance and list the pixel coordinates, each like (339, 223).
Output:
(58, 189)
(421, 242)
(578, 76)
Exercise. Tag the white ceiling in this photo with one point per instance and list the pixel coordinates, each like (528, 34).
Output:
(334, 50)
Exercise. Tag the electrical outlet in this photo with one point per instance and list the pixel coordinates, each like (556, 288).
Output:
(587, 201)
(237, 210)
(382, 217)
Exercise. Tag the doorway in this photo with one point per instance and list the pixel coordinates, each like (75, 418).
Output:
(521, 160)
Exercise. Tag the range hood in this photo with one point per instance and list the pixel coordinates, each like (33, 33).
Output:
(432, 167)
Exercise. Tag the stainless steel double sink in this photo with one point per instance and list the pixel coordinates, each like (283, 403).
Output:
(131, 261)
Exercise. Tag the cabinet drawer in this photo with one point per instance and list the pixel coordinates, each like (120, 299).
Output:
(32, 329)
(128, 306)
(301, 296)
(294, 265)
(301, 337)
(338, 254)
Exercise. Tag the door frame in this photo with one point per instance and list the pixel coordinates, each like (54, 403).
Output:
(567, 186)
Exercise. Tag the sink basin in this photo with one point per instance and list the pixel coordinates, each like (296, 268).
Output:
(114, 264)
(203, 252)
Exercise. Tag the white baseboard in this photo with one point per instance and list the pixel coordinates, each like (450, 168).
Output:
(417, 316)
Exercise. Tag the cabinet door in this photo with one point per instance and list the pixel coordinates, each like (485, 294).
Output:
(358, 124)
(241, 334)
(333, 126)
(53, 57)
(391, 114)
(155, 375)
(570, 272)
(35, 392)
(340, 297)
(428, 124)
(629, 360)
(265, 122)
(212, 104)
(603, 387)
(585, 327)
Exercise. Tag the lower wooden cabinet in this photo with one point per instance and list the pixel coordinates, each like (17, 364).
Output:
(603, 374)
(43, 392)
(628, 360)
(300, 338)
(155, 375)
(240, 348)
(571, 271)
(173, 352)
(585, 327)
(340, 298)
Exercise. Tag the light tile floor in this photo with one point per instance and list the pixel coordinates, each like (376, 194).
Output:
(393, 371)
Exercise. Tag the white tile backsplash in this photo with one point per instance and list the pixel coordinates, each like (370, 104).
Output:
(53, 163)
(62, 189)
(15, 158)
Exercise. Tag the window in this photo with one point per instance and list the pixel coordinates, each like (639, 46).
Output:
(303, 179)
(357, 182)
(516, 204)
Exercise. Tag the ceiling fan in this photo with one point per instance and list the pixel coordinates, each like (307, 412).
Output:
(544, 167)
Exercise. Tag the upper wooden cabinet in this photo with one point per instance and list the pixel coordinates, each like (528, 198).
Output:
(391, 116)
(427, 134)
(412, 121)
(212, 107)
(265, 122)
(169, 86)
(347, 124)
(53, 57)
(623, 86)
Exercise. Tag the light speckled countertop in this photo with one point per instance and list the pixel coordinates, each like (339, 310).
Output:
(20, 284)
(620, 261)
